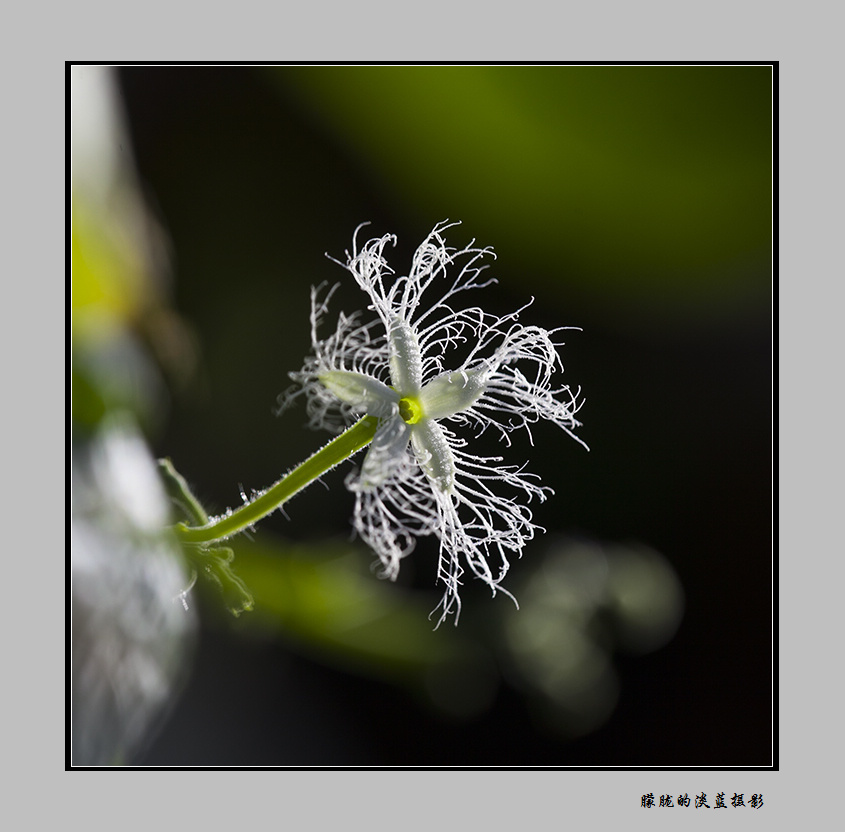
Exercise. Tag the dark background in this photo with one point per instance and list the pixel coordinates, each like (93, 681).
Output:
(633, 202)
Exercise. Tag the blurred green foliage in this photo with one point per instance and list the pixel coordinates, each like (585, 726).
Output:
(652, 183)
(325, 599)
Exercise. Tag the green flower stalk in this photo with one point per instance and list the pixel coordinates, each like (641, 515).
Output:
(237, 520)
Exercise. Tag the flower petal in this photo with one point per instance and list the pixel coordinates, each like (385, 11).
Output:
(364, 393)
(405, 358)
(385, 455)
(434, 454)
(452, 393)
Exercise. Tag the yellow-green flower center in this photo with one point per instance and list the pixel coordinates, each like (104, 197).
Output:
(410, 410)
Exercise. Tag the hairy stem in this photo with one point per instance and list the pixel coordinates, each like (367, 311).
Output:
(348, 443)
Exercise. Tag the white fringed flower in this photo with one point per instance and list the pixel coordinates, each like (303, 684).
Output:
(418, 477)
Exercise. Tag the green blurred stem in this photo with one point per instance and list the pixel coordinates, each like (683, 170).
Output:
(179, 491)
(352, 440)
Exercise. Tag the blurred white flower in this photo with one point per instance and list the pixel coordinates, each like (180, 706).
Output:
(132, 631)
(418, 477)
